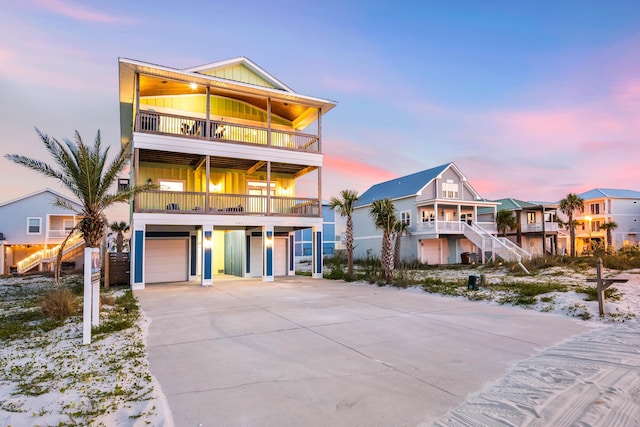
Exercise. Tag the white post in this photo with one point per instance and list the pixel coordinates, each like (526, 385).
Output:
(91, 306)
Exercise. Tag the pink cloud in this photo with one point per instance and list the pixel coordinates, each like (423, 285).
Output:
(79, 13)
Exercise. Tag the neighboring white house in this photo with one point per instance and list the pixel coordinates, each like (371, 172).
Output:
(605, 205)
(226, 144)
(441, 208)
(537, 226)
(32, 227)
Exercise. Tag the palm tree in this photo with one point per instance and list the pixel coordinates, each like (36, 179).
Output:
(83, 170)
(384, 218)
(505, 220)
(609, 227)
(401, 228)
(344, 206)
(120, 228)
(568, 206)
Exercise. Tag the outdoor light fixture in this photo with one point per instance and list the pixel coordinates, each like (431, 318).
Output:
(208, 242)
(149, 181)
(269, 241)
(193, 86)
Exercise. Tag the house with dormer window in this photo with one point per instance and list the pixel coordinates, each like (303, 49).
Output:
(236, 159)
(441, 208)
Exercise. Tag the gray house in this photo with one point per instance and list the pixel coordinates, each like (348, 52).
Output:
(32, 227)
(441, 209)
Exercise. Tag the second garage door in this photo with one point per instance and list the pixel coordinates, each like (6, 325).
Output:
(166, 261)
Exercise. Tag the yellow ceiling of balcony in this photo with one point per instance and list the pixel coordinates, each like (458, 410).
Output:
(160, 80)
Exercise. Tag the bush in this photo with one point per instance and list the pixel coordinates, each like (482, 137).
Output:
(60, 304)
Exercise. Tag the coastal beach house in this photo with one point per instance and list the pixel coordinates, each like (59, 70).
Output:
(441, 209)
(606, 205)
(537, 226)
(236, 156)
(32, 227)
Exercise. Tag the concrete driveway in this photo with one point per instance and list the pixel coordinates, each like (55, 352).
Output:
(304, 352)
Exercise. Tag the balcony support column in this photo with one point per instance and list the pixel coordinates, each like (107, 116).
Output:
(268, 188)
(267, 251)
(207, 129)
(291, 254)
(136, 249)
(137, 116)
(207, 256)
(268, 122)
(207, 177)
(316, 252)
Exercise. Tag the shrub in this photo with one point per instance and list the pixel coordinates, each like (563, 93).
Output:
(592, 293)
(60, 304)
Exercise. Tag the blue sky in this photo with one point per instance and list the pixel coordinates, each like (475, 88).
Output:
(531, 100)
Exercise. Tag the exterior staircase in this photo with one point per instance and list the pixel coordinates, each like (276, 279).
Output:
(49, 255)
(497, 246)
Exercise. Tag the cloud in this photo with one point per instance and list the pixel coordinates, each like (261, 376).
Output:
(79, 13)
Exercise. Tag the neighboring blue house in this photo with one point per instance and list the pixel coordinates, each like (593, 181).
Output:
(32, 227)
(330, 240)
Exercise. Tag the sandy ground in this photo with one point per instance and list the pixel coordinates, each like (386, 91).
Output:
(592, 379)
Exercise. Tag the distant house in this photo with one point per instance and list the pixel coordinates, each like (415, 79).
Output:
(537, 226)
(605, 205)
(32, 227)
(227, 145)
(441, 209)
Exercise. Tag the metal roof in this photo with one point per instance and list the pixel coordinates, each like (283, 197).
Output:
(599, 193)
(404, 186)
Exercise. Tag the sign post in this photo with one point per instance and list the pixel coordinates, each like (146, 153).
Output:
(91, 305)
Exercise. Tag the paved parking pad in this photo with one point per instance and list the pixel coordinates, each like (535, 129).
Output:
(299, 351)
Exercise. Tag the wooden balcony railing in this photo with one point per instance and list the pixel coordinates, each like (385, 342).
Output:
(193, 127)
(158, 201)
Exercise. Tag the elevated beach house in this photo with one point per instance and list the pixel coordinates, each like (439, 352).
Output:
(440, 207)
(236, 156)
(536, 228)
(32, 227)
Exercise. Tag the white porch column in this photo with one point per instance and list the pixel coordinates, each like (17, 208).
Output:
(206, 279)
(267, 251)
(2, 258)
(291, 254)
(316, 252)
(136, 247)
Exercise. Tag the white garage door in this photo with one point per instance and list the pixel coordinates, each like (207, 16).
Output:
(256, 257)
(166, 261)
(431, 250)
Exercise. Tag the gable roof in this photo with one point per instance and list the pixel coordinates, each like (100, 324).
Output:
(46, 190)
(598, 193)
(213, 68)
(408, 185)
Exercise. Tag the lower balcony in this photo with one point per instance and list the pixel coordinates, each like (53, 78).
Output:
(452, 227)
(181, 202)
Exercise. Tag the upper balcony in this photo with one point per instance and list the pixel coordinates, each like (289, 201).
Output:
(549, 227)
(194, 127)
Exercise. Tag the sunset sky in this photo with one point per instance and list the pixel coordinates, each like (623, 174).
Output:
(530, 102)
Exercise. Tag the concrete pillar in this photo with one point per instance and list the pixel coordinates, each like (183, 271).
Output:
(267, 250)
(291, 254)
(316, 252)
(207, 255)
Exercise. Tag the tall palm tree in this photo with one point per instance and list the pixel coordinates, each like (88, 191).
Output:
(344, 206)
(609, 227)
(384, 218)
(400, 229)
(568, 206)
(120, 228)
(505, 220)
(82, 169)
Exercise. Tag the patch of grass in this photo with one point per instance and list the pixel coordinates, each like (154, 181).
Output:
(611, 294)
(123, 316)
(518, 299)
(439, 286)
(19, 323)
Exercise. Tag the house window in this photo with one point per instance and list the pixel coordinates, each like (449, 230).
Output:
(427, 216)
(595, 209)
(531, 217)
(405, 217)
(449, 190)
(34, 225)
(171, 185)
(68, 225)
(595, 226)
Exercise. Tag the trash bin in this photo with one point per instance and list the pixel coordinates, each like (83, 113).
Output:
(465, 257)
(473, 258)
(474, 283)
